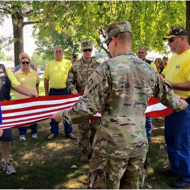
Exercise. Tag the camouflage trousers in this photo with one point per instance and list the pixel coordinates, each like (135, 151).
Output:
(87, 130)
(115, 173)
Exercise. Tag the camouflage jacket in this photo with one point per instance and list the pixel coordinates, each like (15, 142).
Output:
(121, 87)
(79, 74)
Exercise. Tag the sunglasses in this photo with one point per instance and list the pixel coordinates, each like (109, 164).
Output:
(85, 50)
(172, 39)
(109, 40)
(58, 51)
(25, 62)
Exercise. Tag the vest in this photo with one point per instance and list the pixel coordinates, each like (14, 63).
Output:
(148, 61)
(5, 84)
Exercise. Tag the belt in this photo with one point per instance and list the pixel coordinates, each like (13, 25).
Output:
(58, 89)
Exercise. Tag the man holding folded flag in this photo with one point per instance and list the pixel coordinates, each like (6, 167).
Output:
(120, 87)
(8, 80)
(177, 125)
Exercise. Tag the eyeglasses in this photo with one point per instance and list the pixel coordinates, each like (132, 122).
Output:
(58, 51)
(85, 50)
(109, 40)
(25, 62)
(172, 39)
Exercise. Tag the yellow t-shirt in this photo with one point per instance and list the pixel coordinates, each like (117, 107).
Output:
(178, 71)
(29, 81)
(56, 72)
(153, 65)
(12, 78)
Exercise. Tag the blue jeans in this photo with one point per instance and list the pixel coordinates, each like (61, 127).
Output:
(23, 130)
(148, 127)
(54, 124)
(177, 137)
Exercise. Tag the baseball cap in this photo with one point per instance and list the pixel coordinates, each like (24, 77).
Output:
(73, 55)
(165, 57)
(117, 28)
(176, 31)
(87, 44)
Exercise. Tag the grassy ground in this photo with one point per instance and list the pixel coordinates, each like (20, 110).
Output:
(42, 164)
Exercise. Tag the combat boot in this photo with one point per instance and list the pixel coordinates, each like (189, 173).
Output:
(84, 157)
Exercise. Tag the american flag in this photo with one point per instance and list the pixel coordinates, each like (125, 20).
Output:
(24, 112)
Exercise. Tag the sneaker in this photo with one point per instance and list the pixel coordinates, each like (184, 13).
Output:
(9, 169)
(34, 136)
(22, 137)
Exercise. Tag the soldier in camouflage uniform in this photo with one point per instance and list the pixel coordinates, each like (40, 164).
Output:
(120, 87)
(77, 79)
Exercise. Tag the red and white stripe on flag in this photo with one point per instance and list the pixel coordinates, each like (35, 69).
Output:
(156, 109)
(24, 112)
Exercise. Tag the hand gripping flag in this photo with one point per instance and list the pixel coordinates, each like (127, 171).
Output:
(24, 112)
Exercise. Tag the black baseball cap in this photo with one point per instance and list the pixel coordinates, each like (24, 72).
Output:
(74, 55)
(176, 31)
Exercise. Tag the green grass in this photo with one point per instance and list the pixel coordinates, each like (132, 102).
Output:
(42, 164)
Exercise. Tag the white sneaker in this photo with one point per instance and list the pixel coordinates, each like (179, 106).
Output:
(9, 169)
(22, 137)
(34, 136)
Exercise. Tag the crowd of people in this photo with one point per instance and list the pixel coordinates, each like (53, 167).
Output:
(120, 87)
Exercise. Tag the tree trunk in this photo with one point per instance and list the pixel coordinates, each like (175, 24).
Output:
(188, 18)
(17, 21)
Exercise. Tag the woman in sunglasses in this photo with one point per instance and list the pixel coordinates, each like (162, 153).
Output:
(29, 79)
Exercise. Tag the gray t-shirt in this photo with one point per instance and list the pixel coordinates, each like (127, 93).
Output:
(18, 67)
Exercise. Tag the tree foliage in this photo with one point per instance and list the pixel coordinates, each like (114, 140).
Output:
(21, 13)
(3, 57)
(40, 62)
(47, 40)
(89, 19)
(79, 20)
